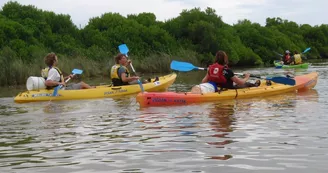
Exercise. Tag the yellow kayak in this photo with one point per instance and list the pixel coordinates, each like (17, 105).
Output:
(102, 91)
(302, 82)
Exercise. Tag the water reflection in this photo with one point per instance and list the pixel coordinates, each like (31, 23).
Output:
(223, 116)
(52, 107)
(222, 121)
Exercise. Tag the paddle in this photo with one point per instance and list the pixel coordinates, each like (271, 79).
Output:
(185, 66)
(278, 53)
(306, 50)
(277, 79)
(124, 50)
(242, 74)
(74, 72)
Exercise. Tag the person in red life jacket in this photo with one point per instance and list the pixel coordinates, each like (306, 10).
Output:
(286, 59)
(220, 75)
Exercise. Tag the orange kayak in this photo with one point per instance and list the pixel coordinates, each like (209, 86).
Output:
(303, 82)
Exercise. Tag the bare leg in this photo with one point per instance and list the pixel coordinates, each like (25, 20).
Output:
(85, 86)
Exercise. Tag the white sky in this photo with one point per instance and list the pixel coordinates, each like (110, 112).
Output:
(313, 12)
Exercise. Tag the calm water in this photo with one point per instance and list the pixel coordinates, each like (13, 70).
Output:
(284, 133)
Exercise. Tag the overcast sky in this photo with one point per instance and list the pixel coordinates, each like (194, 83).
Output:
(313, 12)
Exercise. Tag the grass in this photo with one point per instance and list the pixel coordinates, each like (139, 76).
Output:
(14, 71)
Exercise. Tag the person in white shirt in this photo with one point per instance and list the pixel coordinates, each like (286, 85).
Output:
(54, 76)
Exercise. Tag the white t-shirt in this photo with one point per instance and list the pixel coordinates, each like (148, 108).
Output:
(53, 75)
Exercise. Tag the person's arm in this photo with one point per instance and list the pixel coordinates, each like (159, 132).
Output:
(51, 83)
(205, 79)
(122, 73)
(238, 80)
(290, 59)
(128, 79)
(69, 76)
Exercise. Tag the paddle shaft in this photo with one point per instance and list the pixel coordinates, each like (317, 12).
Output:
(255, 76)
(242, 74)
(139, 82)
(278, 79)
(200, 68)
(134, 71)
(185, 66)
(67, 80)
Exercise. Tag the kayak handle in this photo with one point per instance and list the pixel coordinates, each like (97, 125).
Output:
(116, 88)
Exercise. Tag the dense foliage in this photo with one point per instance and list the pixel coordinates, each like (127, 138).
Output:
(27, 34)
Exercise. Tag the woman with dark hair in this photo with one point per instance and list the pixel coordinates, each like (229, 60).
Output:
(220, 75)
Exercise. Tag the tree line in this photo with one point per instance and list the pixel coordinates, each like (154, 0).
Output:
(27, 34)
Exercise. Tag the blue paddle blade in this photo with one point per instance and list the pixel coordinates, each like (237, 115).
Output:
(123, 49)
(282, 80)
(182, 66)
(141, 87)
(77, 71)
(306, 50)
(55, 93)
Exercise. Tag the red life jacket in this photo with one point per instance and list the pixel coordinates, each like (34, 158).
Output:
(287, 58)
(215, 73)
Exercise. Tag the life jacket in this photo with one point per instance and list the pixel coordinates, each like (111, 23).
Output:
(116, 79)
(297, 59)
(45, 71)
(286, 59)
(216, 73)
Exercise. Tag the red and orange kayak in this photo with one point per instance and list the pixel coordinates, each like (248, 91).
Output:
(303, 82)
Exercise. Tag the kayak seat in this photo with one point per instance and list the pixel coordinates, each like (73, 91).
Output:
(268, 82)
(258, 83)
